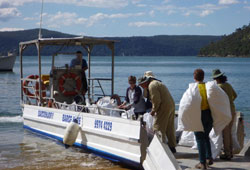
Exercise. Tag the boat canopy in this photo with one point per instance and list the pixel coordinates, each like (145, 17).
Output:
(75, 41)
(86, 42)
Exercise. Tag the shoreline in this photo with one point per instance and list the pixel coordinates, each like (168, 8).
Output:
(218, 56)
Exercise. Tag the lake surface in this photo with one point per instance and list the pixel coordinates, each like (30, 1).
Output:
(21, 149)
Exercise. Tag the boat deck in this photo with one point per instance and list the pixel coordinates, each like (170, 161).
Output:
(188, 158)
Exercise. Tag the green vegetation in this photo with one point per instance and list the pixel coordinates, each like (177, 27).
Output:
(236, 44)
(9, 41)
(161, 45)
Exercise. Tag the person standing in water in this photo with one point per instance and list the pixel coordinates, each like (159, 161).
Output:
(221, 80)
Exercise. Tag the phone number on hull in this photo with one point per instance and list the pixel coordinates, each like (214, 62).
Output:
(100, 124)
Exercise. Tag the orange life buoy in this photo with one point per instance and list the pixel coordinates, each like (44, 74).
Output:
(69, 76)
(26, 90)
(25, 84)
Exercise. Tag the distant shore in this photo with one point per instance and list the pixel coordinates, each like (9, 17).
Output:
(228, 56)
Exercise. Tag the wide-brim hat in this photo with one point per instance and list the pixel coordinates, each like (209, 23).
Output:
(217, 73)
(149, 74)
(143, 79)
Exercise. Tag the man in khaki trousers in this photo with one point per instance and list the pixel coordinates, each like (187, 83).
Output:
(163, 108)
(221, 80)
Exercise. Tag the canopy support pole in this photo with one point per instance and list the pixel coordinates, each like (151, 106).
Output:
(113, 69)
(89, 50)
(21, 69)
(112, 48)
(38, 46)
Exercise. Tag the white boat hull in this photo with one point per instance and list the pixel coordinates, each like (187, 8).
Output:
(7, 62)
(113, 138)
(160, 157)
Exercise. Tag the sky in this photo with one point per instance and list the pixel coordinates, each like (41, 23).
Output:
(127, 17)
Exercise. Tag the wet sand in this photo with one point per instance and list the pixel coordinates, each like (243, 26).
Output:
(37, 152)
(54, 160)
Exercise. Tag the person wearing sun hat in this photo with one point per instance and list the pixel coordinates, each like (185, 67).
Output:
(151, 75)
(163, 108)
(216, 73)
(221, 80)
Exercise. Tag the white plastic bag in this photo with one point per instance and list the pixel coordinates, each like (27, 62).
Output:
(189, 114)
(187, 139)
(106, 104)
(149, 119)
(236, 145)
(128, 114)
(219, 105)
(93, 109)
(216, 143)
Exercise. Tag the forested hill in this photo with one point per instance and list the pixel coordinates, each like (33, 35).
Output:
(236, 44)
(160, 45)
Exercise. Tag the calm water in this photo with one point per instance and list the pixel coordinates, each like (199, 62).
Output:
(20, 149)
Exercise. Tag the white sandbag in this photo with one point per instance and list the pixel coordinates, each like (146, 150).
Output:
(124, 115)
(149, 119)
(219, 105)
(131, 112)
(93, 108)
(63, 106)
(72, 106)
(114, 113)
(105, 105)
(187, 139)
(236, 144)
(216, 143)
(195, 145)
(189, 114)
(128, 114)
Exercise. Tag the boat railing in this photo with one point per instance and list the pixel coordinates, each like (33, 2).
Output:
(33, 88)
(93, 86)
(80, 108)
